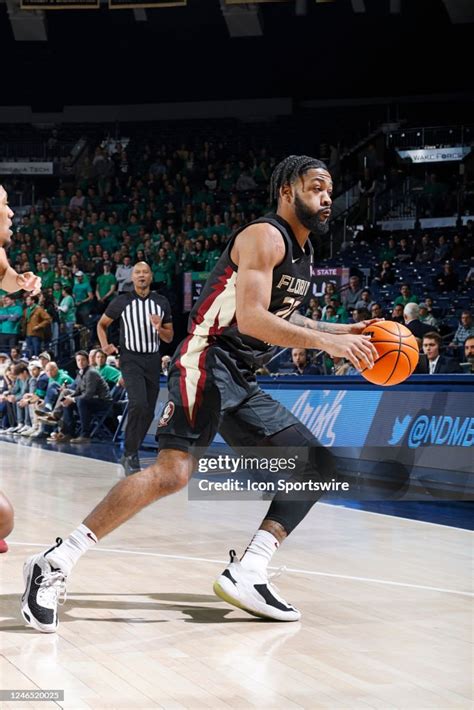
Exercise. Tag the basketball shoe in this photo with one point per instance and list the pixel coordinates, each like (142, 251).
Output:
(45, 585)
(252, 591)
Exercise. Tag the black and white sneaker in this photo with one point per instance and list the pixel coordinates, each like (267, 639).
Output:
(45, 588)
(253, 592)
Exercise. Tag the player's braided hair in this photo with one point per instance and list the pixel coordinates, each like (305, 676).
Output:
(288, 170)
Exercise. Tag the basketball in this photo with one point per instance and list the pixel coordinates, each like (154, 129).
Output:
(397, 353)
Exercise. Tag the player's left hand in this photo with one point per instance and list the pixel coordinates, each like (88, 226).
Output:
(29, 282)
(156, 320)
(357, 328)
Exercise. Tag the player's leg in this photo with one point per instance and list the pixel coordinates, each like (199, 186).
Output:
(264, 422)
(45, 574)
(6, 521)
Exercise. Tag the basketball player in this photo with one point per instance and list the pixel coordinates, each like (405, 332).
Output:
(256, 288)
(10, 281)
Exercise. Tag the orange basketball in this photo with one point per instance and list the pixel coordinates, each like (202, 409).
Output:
(398, 353)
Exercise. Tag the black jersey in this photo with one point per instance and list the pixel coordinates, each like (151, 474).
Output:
(213, 318)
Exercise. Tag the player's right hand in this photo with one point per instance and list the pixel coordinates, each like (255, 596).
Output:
(110, 349)
(28, 281)
(356, 348)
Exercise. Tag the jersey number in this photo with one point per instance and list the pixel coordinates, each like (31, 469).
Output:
(291, 305)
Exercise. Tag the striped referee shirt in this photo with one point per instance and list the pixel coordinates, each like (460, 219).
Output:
(137, 333)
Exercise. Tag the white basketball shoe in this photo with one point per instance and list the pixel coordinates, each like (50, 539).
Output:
(253, 592)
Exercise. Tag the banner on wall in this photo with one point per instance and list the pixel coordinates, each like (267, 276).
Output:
(26, 168)
(321, 277)
(435, 155)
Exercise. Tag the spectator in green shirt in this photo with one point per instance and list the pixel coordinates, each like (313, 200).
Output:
(67, 310)
(405, 297)
(106, 286)
(46, 274)
(110, 373)
(83, 297)
(11, 313)
(57, 292)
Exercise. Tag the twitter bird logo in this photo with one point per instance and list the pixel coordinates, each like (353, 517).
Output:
(399, 429)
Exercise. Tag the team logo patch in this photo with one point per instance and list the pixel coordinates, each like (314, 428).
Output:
(166, 414)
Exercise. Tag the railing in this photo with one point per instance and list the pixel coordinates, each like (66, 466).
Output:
(431, 136)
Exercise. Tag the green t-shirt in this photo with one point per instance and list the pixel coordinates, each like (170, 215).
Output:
(62, 378)
(11, 324)
(401, 300)
(105, 283)
(68, 310)
(110, 374)
(80, 291)
(47, 278)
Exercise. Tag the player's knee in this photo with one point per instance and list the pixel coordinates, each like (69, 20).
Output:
(172, 471)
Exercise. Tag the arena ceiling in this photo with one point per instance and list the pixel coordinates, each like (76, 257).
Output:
(298, 48)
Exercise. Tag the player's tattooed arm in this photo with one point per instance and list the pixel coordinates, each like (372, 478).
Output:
(321, 326)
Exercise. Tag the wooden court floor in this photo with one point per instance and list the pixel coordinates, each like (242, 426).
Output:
(386, 602)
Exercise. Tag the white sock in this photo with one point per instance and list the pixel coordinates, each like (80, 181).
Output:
(260, 551)
(68, 553)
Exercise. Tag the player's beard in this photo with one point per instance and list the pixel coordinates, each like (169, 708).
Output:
(311, 220)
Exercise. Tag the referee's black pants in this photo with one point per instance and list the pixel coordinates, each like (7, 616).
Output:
(141, 374)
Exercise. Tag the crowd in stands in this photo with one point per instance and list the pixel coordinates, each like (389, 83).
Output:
(175, 206)
(40, 400)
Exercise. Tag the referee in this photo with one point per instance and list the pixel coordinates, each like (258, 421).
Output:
(145, 318)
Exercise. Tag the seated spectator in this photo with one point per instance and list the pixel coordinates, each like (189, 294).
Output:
(411, 315)
(469, 351)
(405, 296)
(38, 322)
(352, 293)
(330, 315)
(30, 396)
(386, 275)
(91, 396)
(56, 380)
(312, 306)
(438, 364)
(388, 253)
(376, 311)
(397, 314)
(341, 367)
(404, 251)
(360, 314)
(441, 252)
(11, 313)
(21, 376)
(330, 289)
(302, 365)
(464, 330)
(459, 250)
(447, 280)
(365, 300)
(425, 251)
(111, 374)
(427, 318)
